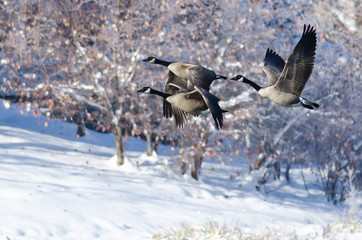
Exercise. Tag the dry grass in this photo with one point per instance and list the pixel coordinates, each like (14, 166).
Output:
(212, 230)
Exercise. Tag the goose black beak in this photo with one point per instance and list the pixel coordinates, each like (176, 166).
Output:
(144, 60)
(221, 77)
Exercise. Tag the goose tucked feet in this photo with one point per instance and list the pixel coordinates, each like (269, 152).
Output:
(307, 104)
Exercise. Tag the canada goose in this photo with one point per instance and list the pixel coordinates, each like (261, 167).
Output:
(193, 102)
(184, 75)
(287, 79)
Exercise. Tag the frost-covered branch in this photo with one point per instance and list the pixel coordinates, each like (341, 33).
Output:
(280, 134)
(80, 98)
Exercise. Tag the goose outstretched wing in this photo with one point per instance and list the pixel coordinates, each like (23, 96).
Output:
(212, 103)
(200, 76)
(273, 66)
(300, 63)
(172, 86)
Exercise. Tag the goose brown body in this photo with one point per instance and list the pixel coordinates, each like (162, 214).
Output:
(282, 98)
(193, 106)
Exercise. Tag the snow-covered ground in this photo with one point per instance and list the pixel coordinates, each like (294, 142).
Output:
(56, 186)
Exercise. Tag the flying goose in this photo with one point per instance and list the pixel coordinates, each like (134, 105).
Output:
(194, 102)
(287, 79)
(186, 76)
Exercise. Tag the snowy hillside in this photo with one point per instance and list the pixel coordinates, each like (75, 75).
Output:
(55, 186)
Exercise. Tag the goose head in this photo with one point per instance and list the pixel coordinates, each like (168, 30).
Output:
(238, 78)
(145, 90)
(150, 59)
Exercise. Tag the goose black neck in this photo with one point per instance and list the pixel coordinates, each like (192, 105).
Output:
(163, 63)
(162, 94)
(251, 83)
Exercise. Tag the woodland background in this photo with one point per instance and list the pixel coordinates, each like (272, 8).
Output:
(80, 61)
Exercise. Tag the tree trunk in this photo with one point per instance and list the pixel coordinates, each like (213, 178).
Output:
(156, 146)
(196, 164)
(119, 147)
(287, 172)
(149, 144)
(250, 155)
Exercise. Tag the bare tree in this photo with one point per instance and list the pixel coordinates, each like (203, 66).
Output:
(82, 55)
(80, 61)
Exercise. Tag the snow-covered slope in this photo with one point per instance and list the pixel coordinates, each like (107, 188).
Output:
(55, 186)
